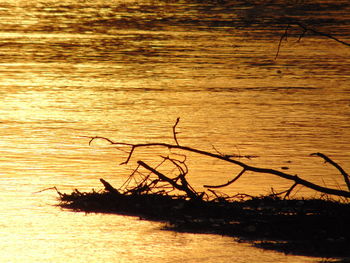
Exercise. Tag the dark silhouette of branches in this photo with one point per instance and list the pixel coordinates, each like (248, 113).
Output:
(182, 168)
(340, 169)
(284, 36)
(183, 186)
(228, 183)
(305, 29)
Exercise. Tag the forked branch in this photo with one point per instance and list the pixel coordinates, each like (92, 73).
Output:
(182, 187)
(297, 180)
(305, 30)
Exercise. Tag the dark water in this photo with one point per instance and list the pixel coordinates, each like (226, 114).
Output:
(127, 70)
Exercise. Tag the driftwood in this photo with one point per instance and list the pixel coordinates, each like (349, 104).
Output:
(184, 186)
(313, 227)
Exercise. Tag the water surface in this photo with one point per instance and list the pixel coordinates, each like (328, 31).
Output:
(126, 70)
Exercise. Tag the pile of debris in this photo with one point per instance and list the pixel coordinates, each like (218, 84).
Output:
(318, 227)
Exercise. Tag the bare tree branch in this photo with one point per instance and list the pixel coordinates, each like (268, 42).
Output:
(245, 167)
(340, 169)
(183, 187)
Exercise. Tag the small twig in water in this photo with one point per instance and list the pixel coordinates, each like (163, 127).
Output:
(305, 29)
(50, 188)
(174, 130)
(285, 34)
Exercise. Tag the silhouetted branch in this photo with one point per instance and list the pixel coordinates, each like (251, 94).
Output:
(305, 30)
(182, 187)
(109, 187)
(245, 167)
(340, 169)
(286, 192)
(174, 130)
(228, 183)
(290, 190)
(180, 165)
(285, 34)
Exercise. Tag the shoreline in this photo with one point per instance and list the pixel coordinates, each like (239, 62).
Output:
(309, 227)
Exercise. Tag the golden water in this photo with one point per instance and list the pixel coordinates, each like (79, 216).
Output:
(126, 70)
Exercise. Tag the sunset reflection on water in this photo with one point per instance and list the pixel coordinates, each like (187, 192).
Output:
(126, 70)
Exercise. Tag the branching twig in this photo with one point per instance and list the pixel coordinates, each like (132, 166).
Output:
(184, 187)
(286, 192)
(285, 34)
(246, 167)
(306, 29)
(182, 169)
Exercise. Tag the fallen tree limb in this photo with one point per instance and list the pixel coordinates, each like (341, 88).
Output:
(184, 186)
(294, 178)
(304, 225)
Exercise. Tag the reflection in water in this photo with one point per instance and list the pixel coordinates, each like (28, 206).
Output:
(126, 70)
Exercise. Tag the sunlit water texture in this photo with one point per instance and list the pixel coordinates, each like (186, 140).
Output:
(126, 70)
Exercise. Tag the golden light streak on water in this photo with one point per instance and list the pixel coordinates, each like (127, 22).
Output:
(126, 70)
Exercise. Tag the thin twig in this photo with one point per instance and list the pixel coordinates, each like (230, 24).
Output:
(290, 190)
(337, 166)
(46, 189)
(228, 183)
(302, 34)
(285, 192)
(305, 29)
(285, 34)
(234, 155)
(183, 170)
(174, 130)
